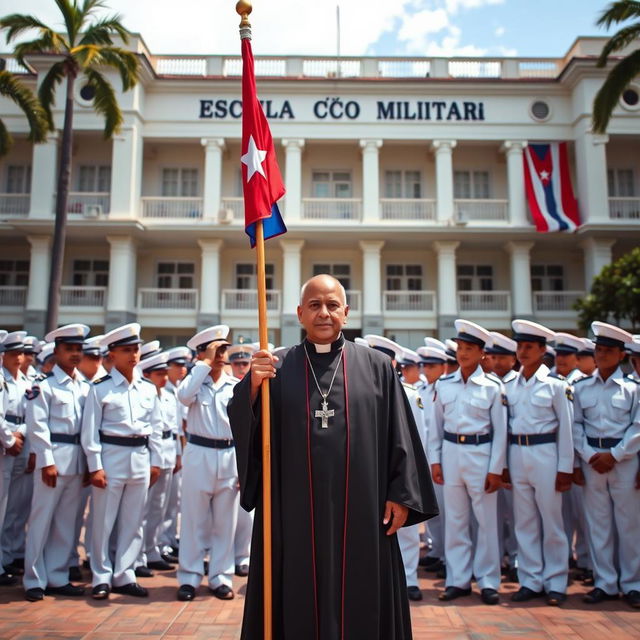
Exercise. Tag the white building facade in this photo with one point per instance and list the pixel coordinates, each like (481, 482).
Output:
(404, 179)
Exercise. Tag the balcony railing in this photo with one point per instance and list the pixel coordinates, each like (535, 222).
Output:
(82, 296)
(469, 210)
(555, 301)
(89, 205)
(332, 208)
(247, 300)
(13, 296)
(624, 208)
(173, 299)
(236, 205)
(484, 301)
(172, 208)
(407, 209)
(409, 301)
(354, 300)
(15, 204)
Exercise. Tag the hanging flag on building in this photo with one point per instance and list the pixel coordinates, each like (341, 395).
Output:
(548, 185)
(261, 180)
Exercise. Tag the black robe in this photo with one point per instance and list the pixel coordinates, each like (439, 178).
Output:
(336, 574)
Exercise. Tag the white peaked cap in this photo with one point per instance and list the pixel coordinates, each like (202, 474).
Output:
(149, 348)
(610, 335)
(434, 343)
(471, 332)
(380, 343)
(217, 333)
(502, 345)
(361, 341)
(122, 336)
(527, 331)
(409, 357)
(155, 362)
(46, 352)
(567, 343)
(431, 355)
(70, 333)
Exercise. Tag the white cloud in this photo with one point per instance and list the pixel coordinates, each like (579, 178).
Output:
(453, 6)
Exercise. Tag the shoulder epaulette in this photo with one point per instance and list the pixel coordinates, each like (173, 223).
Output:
(493, 378)
(147, 380)
(630, 378)
(99, 380)
(407, 385)
(43, 376)
(557, 376)
(445, 378)
(582, 379)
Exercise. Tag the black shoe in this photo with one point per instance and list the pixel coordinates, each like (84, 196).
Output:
(633, 599)
(524, 594)
(242, 570)
(451, 593)
(100, 592)
(434, 567)
(170, 558)
(580, 574)
(34, 595)
(490, 596)
(430, 564)
(86, 565)
(75, 574)
(588, 580)
(222, 592)
(143, 572)
(555, 598)
(414, 593)
(7, 580)
(66, 590)
(442, 573)
(159, 565)
(596, 596)
(512, 575)
(175, 551)
(14, 568)
(186, 593)
(132, 589)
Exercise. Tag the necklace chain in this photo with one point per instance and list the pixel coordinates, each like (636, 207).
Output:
(324, 395)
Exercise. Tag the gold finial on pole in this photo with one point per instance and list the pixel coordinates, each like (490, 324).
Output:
(243, 9)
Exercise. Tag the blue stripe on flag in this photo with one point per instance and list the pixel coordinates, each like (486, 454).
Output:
(552, 207)
(272, 227)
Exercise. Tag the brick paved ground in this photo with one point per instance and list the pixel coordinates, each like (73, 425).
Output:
(161, 616)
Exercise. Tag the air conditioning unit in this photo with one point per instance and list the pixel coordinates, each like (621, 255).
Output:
(92, 210)
(225, 216)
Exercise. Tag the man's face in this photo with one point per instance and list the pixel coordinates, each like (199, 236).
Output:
(89, 365)
(566, 363)
(433, 371)
(176, 372)
(468, 354)
(159, 378)
(13, 359)
(125, 357)
(239, 368)
(68, 356)
(502, 364)
(586, 364)
(323, 311)
(530, 353)
(27, 361)
(608, 357)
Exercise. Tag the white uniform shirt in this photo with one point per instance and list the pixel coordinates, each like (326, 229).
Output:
(182, 410)
(415, 401)
(117, 408)
(171, 447)
(474, 408)
(607, 410)
(55, 406)
(539, 405)
(15, 405)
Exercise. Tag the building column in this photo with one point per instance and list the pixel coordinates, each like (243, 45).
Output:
(126, 173)
(521, 296)
(443, 150)
(447, 287)
(44, 175)
(121, 294)
(372, 320)
(293, 178)
(213, 148)
(591, 170)
(209, 312)
(514, 151)
(39, 270)
(291, 283)
(370, 179)
(597, 254)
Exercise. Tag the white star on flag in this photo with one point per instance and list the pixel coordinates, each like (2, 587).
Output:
(544, 175)
(254, 159)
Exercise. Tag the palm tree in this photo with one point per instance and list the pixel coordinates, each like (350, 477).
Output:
(85, 48)
(626, 69)
(12, 88)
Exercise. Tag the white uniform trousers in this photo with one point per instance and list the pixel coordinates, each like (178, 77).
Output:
(465, 469)
(208, 513)
(435, 526)
(169, 529)
(155, 512)
(506, 527)
(543, 550)
(81, 513)
(50, 536)
(242, 540)
(575, 525)
(409, 541)
(6, 467)
(612, 506)
(18, 506)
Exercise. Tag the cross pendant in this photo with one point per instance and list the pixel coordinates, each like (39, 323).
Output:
(325, 414)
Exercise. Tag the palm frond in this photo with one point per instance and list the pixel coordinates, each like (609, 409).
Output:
(102, 32)
(619, 41)
(48, 43)
(6, 141)
(47, 89)
(12, 88)
(68, 10)
(618, 12)
(86, 55)
(126, 63)
(105, 102)
(16, 23)
(617, 81)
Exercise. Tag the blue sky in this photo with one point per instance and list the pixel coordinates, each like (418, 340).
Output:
(529, 28)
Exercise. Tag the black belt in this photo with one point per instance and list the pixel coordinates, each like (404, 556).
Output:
(167, 434)
(210, 442)
(67, 438)
(525, 440)
(464, 439)
(14, 419)
(604, 443)
(125, 441)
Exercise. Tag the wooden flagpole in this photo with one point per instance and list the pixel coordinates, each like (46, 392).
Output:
(244, 8)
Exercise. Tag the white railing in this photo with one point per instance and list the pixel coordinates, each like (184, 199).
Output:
(542, 68)
(555, 301)
(407, 209)
(624, 208)
(247, 300)
(89, 205)
(331, 208)
(171, 208)
(236, 205)
(183, 66)
(354, 300)
(15, 204)
(13, 296)
(475, 68)
(469, 210)
(484, 301)
(232, 66)
(331, 68)
(413, 301)
(404, 68)
(174, 299)
(82, 296)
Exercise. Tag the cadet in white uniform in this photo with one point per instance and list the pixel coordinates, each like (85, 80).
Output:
(633, 349)
(122, 439)
(210, 492)
(54, 419)
(607, 438)
(467, 452)
(540, 466)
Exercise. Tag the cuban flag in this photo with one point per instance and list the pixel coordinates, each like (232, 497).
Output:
(261, 179)
(548, 185)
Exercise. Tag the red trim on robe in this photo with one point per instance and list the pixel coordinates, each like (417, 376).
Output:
(346, 484)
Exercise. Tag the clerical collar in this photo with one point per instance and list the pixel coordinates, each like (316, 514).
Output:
(326, 348)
